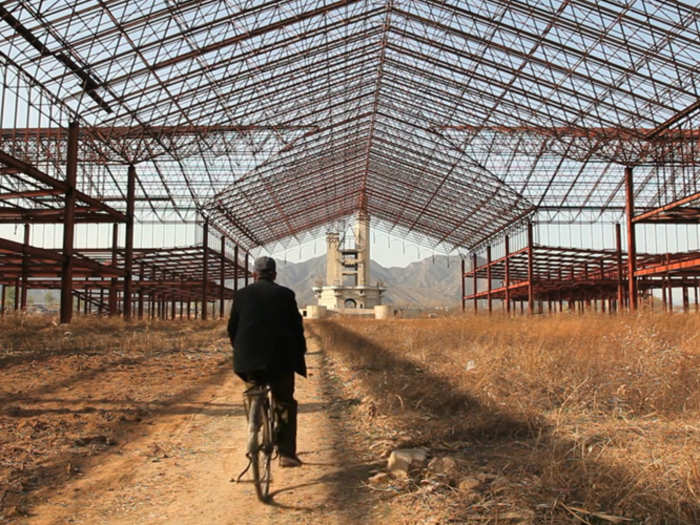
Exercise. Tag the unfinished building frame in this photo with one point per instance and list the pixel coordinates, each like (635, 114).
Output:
(453, 124)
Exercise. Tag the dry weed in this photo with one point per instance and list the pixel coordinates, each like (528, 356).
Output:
(572, 412)
(68, 393)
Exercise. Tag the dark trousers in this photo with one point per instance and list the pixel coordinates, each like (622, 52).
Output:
(282, 386)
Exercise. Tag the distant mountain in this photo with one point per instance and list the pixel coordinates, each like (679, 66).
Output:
(431, 282)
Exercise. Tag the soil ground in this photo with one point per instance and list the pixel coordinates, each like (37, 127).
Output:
(158, 453)
(570, 419)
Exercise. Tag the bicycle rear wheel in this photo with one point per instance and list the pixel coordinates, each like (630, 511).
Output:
(261, 457)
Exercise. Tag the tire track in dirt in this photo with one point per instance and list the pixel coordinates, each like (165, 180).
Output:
(180, 469)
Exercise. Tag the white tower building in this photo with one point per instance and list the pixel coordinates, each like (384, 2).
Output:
(347, 283)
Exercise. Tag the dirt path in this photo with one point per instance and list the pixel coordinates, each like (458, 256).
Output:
(179, 470)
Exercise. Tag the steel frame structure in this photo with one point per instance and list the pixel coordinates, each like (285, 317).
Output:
(581, 278)
(454, 123)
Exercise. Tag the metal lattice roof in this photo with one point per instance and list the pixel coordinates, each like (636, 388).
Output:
(451, 120)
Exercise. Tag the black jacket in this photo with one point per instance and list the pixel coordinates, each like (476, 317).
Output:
(266, 330)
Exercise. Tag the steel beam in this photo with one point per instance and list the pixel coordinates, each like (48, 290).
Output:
(488, 278)
(140, 293)
(113, 286)
(631, 240)
(205, 267)
(648, 216)
(507, 274)
(25, 264)
(40, 176)
(222, 276)
(129, 240)
(235, 268)
(69, 224)
(530, 273)
(462, 284)
(618, 261)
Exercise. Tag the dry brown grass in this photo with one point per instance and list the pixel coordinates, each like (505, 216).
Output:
(25, 336)
(68, 393)
(568, 412)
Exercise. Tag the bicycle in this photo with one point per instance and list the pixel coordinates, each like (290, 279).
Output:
(262, 418)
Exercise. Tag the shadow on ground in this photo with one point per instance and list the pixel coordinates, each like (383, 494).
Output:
(516, 448)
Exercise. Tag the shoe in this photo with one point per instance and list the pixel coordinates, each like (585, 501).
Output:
(289, 461)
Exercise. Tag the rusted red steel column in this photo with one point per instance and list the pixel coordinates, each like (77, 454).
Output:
(25, 268)
(530, 271)
(697, 305)
(222, 277)
(182, 298)
(507, 281)
(572, 301)
(475, 283)
(113, 282)
(17, 294)
(140, 306)
(631, 240)
(205, 267)
(559, 295)
(618, 260)
(245, 276)
(488, 278)
(152, 295)
(669, 279)
(235, 268)
(602, 277)
(463, 287)
(586, 301)
(69, 224)
(129, 241)
(4, 294)
(686, 301)
(663, 293)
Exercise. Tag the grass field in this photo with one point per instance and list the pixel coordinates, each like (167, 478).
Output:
(69, 394)
(578, 418)
(562, 419)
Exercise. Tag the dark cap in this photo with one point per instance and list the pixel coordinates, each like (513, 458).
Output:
(264, 265)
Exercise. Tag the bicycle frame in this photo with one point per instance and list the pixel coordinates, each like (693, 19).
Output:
(260, 408)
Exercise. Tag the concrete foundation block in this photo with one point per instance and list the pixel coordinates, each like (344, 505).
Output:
(382, 311)
(314, 311)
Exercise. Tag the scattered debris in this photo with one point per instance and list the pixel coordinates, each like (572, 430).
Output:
(401, 460)
(94, 440)
(379, 479)
(445, 467)
(468, 484)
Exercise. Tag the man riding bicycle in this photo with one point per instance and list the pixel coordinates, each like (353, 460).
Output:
(267, 335)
